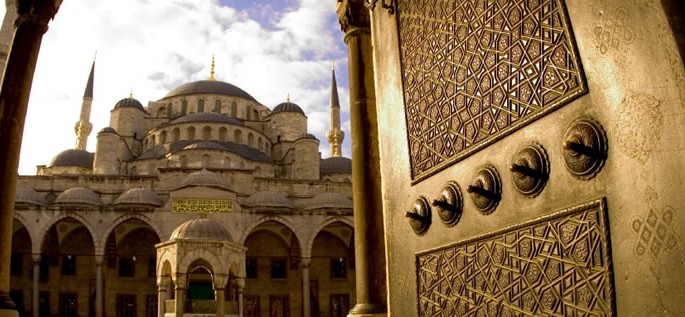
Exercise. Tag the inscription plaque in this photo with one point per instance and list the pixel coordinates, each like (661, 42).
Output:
(202, 205)
(557, 265)
(474, 71)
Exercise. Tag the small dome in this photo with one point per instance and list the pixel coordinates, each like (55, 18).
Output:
(205, 178)
(335, 165)
(208, 117)
(108, 130)
(139, 196)
(329, 200)
(268, 199)
(73, 157)
(27, 195)
(201, 229)
(213, 87)
(288, 107)
(129, 102)
(79, 195)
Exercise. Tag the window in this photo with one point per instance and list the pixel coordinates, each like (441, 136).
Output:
(251, 268)
(68, 305)
(278, 306)
(152, 267)
(16, 263)
(184, 107)
(184, 161)
(248, 113)
(338, 268)
(206, 133)
(126, 305)
(251, 306)
(162, 137)
(238, 136)
(200, 105)
(176, 134)
(44, 304)
(69, 265)
(205, 160)
(279, 269)
(17, 297)
(127, 266)
(340, 305)
(222, 134)
(250, 139)
(153, 141)
(227, 162)
(191, 133)
(217, 106)
(234, 109)
(168, 110)
(44, 268)
(151, 305)
(161, 112)
(260, 144)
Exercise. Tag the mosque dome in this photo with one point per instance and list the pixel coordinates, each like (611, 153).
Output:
(139, 196)
(214, 87)
(108, 130)
(79, 195)
(288, 107)
(272, 199)
(129, 102)
(201, 229)
(27, 195)
(208, 117)
(73, 157)
(205, 178)
(335, 165)
(329, 200)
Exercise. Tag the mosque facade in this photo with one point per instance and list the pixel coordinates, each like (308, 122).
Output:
(202, 203)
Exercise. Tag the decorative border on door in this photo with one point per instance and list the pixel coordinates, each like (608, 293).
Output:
(556, 265)
(475, 71)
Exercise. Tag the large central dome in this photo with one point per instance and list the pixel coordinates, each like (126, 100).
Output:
(209, 87)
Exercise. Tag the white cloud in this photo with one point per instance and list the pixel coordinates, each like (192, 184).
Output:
(153, 46)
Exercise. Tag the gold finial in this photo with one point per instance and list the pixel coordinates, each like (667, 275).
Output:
(130, 94)
(211, 72)
(287, 99)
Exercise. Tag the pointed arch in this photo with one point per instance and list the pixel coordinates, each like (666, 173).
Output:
(277, 219)
(100, 243)
(37, 247)
(307, 252)
(22, 220)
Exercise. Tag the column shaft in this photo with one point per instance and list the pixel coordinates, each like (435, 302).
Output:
(220, 302)
(180, 301)
(162, 295)
(99, 289)
(306, 305)
(35, 290)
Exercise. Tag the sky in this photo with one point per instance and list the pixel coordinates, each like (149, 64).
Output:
(269, 48)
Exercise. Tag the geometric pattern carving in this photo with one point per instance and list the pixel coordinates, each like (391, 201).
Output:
(558, 265)
(474, 71)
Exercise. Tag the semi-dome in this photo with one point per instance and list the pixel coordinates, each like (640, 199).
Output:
(271, 199)
(139, 196)
(108, 130)
(26, 195)
(335, 165)
(79, 195)
(205, 178)
(201, 229)
(205, 145)
(208, 117)
(329, 200)
(73, 157)
(288, 107)
(245, 151)
(129, 102)
(214, 87)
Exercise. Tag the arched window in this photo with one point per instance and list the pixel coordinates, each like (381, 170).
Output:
(206, 133)
(255, 114)
(234, 109)
(184, 107)
(217, 106)
(146, 145)
(205, 160)
(238, 136)
(227, 162)
(176, 134)
(151, 169)
(152, 140)
(222, 134)
(250, 139)
(168, 110)
(162, 137)
(161, 112)
(184, 161)
(248, 113)
(258, 171)
(191, 133)
(134, 171)
(260, 144)
(200, 105)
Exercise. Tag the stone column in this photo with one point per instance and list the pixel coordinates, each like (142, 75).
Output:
(306, 305)
(220, 302)
(366, 187)
(240, 283)
(99, 288)
(31, 24)
(180, 301)
(162, 296)
(34, 289)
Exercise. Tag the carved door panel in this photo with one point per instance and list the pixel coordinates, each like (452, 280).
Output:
(531, 156)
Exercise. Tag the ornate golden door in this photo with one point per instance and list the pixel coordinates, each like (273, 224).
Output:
(532, 156)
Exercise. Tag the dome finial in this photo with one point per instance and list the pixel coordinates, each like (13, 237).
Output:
(130, 93)
(287, 98)
(211, 72)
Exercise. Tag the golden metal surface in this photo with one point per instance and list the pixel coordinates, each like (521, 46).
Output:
(202, 206)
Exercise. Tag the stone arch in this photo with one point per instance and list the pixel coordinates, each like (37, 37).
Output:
(310, 242)
(23, 221)
(37, 247)
(277, 219)
(162, 260)
(100, 243)
(184, 263)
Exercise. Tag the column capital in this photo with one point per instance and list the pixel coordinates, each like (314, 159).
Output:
(35, 11)
(99, 259)
(306, 262)
(352, 13)
(36, 258)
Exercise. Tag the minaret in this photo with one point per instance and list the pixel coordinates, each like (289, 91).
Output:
(83, 127)
(335, 136)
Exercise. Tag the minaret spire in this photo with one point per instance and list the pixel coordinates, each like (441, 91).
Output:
(335, 136)
(211, 72)
(83, 127)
